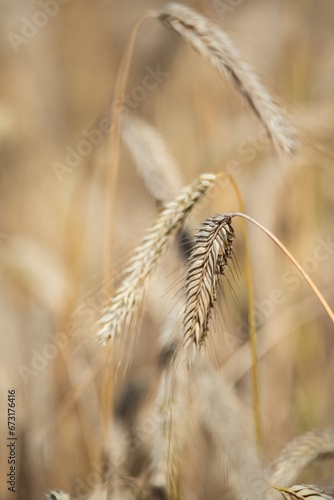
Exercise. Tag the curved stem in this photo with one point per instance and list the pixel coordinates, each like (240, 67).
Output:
(117, 110)
(251, 323)
(304, 274)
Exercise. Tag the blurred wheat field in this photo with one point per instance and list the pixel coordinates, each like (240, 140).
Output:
(56, 89)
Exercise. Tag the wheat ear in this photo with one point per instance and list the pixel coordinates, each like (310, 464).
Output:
(153, 160)
(303, 492)
(299, 454)
(122, 309)
(216, 47)
(213, 248)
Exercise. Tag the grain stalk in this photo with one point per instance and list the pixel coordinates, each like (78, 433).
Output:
(251, 323)
(117, 111)
(304, 274)
(172, 430)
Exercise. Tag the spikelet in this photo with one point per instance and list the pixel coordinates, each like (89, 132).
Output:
(119, 314)
(303, 492)
(213, 248)
(216, 47)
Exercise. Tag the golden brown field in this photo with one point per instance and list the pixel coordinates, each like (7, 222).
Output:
(97, 421)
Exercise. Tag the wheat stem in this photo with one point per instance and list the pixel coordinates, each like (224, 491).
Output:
(117, 110)
(251, 323)
(253, 347)
(304, 274)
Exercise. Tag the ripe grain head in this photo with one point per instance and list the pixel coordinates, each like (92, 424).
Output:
(213, 248)
(300, 454)
(121, 311)
(217, 48)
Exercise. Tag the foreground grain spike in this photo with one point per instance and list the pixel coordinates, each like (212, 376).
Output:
(301, 453)
(122, 310)
(216, 47)
(213, 248)
(303, 492)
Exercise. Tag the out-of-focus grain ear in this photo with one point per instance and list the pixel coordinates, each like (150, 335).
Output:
(300, 454)
(217, 48)
(152, 157)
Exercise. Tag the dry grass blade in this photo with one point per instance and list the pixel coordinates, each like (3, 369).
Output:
(153, 160)
(300, 454)
(213, 247)
(303, 491)
(123, 307)
(215, 46)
